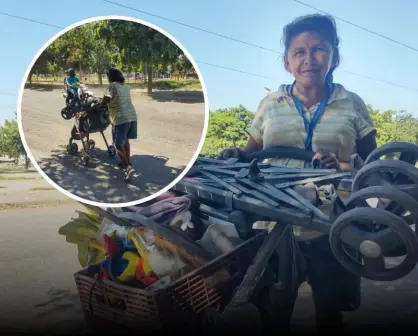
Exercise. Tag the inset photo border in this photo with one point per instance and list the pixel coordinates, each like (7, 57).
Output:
(162, 143)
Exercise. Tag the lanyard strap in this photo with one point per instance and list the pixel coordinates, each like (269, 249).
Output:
(310, 125)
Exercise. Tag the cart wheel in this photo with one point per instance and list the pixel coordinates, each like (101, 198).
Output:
(73, 148)
(65, 113)
(85, 160)
(112, 150)
(92, 144)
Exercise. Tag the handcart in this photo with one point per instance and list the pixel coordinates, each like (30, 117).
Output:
(95, 119)
(244, 191)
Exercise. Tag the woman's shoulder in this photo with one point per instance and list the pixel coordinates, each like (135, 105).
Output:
(274, 97)
(342, 93)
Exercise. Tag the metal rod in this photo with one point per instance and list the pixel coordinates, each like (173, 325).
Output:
(276, 194)
(223, 183)
(314, 179)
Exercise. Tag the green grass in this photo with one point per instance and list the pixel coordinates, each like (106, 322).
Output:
(158, 84)
(41, 189)
(18, 178)
(12, 170)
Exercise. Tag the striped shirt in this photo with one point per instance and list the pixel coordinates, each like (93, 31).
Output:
(278, 123)
(121, 109)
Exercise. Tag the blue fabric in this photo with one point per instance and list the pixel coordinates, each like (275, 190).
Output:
(72, 80)
(72, 90)
(121, 133)
(310, 126)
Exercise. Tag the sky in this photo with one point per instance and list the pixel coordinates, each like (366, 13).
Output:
(258, 22)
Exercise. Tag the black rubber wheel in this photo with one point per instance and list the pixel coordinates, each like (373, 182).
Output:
(409, 152)
(65, 114)
(375, 268)
(92, 144)
(285, 152)
(385, 170)
(402, 200)
(73, 148)
(111, 150)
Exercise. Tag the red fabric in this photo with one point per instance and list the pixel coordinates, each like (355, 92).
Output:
(141, 276)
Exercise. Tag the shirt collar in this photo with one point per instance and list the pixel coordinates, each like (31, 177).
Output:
(338, 93)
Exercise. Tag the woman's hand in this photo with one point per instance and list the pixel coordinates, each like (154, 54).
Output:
(228, 153)
(327, 159)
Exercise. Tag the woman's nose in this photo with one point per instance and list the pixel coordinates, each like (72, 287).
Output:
(309, 57)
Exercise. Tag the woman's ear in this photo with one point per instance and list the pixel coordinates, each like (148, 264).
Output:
(286, 64)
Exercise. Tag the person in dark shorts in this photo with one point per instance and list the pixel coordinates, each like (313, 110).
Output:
(123, 119)
(343, 127)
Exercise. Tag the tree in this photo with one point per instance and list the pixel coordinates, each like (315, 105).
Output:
(10, 142)
(140, 46)
(97, 45)
(227, 128)
(183, 65)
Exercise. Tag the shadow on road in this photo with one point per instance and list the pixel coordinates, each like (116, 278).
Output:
(11, 172)
(59, 300)
(102, 180)
(186, 97)
(42, 87)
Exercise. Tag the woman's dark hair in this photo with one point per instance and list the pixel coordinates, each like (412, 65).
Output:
(324, 25)
(115, 75)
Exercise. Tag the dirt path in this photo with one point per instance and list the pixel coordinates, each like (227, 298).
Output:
(170, 128)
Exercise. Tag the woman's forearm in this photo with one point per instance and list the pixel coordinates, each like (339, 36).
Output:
(252, 146)
(344, 166)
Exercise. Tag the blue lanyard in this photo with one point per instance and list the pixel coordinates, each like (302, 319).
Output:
(309, 126)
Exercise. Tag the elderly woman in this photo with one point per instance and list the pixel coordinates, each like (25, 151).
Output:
(123, 118)
(321, 116)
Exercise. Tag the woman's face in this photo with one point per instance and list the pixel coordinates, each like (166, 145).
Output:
(309, 59)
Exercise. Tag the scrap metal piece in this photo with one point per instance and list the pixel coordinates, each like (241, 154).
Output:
(314, 179)
(216, 161)
(287, 170)
(306, 203)
(256, 194)
(223, 183)
(218, 170)
(254, 171)
(275, 194)
(237, 166)
(291, 176)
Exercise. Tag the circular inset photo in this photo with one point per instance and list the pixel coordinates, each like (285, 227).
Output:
(113, 111)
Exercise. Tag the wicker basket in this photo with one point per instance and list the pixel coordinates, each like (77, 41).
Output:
(177, 304)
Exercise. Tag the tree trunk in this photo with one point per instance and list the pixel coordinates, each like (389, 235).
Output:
(149, 72)
(27, 162)
(99, 75)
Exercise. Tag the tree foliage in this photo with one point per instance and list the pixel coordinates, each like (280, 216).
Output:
(128, 45)
(227, 128)
(10, 142)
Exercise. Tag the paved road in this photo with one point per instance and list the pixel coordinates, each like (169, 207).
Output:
(37, 286)
(170, 128)
(34, 192)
